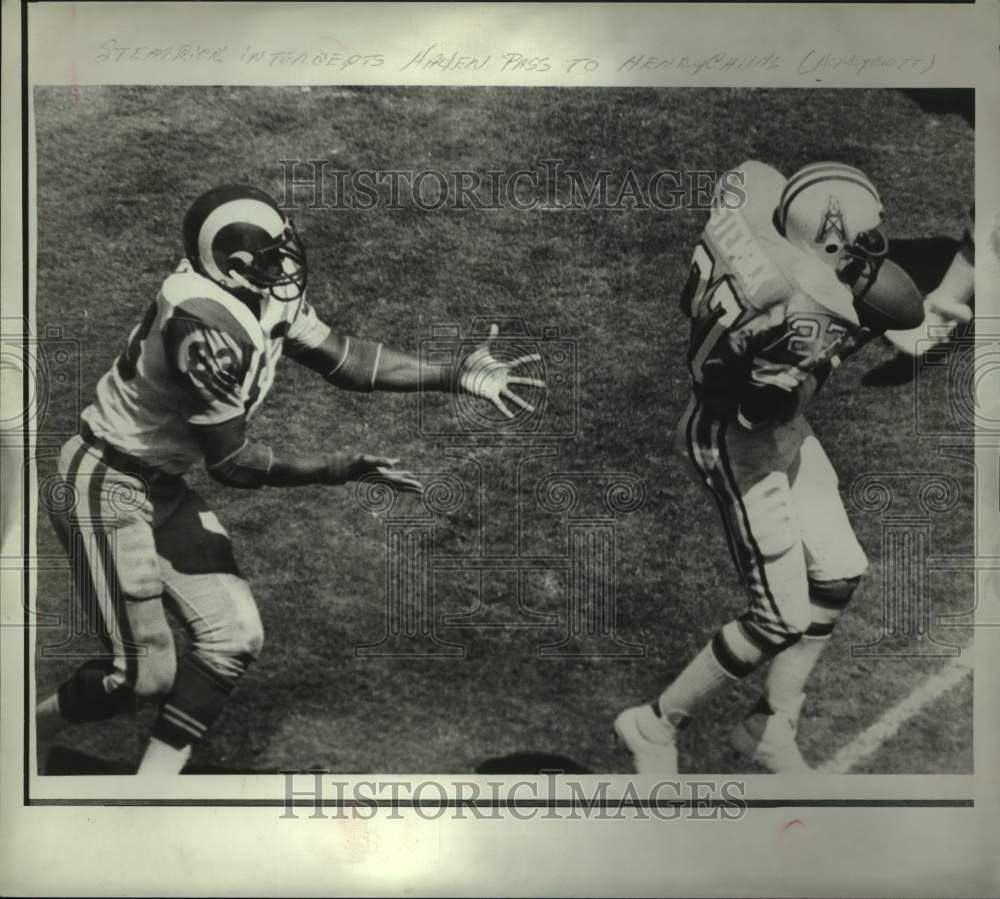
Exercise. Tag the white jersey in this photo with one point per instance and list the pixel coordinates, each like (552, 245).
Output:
(198, 357)
(747, 281)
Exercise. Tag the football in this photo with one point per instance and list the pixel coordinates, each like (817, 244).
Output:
(893, 303)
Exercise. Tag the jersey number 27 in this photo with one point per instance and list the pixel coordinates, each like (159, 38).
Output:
(712, 305)
(703, 297)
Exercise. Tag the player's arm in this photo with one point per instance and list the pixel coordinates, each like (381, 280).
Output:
(762, 386)
(211, 367)
(231, 458)
(776, 388)
(773, 395)
(739, 378)
(355, 363)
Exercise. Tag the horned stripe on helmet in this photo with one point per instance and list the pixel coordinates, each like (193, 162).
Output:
(246, 210)
(237, 236)
(831, 174)
(812, 169)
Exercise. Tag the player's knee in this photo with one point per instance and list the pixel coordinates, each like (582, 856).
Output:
(237, 638)
(834, 595)
(142, 582)
(156, 674)
(849, 563)
(781, 595)
(156, 665)
(245, 633)
(248, 633)
(797, 620)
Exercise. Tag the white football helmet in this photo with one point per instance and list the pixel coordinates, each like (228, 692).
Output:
(835, 211)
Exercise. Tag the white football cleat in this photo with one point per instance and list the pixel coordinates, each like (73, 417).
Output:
(769, 739)
(651, 756)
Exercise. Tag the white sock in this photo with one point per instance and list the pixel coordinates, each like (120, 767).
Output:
(48, 719)
(701, 679)
(959, 282)
(163, 759)
(789, 672)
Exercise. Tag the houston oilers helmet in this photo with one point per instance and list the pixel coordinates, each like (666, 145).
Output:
(237, 236)
(835, 211)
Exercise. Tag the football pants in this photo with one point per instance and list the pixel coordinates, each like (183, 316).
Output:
(140, 542)
(784, 519)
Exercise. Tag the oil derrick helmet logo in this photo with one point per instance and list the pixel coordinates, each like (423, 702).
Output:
(832, 232)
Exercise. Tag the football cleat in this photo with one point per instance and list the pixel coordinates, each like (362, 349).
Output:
(634, 728)
(768, 738)
(237, 236)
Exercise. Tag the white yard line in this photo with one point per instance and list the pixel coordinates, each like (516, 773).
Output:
(870, 740)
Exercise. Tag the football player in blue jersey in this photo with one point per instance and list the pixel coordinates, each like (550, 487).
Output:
(183, 392)
(788, 279)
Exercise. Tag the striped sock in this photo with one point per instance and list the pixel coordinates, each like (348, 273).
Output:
(725, 659)
(195, 701)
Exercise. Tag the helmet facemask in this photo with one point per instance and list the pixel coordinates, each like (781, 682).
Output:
(277, 269)
(861, 260)
(238, 237)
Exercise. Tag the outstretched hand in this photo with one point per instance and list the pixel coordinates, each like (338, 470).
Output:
(385, 468)
(484, 375)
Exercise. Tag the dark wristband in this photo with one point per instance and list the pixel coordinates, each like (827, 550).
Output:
(339, 468)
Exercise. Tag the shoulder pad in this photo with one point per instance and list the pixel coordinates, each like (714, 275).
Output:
(196, 297)
(754, 188)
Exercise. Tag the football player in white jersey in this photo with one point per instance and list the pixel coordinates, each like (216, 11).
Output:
(194, 371)
(780, 292)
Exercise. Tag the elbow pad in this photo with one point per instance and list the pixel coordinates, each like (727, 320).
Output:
(246, 469)
(359, 366)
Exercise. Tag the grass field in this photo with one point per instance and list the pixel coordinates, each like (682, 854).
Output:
(117, 169)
